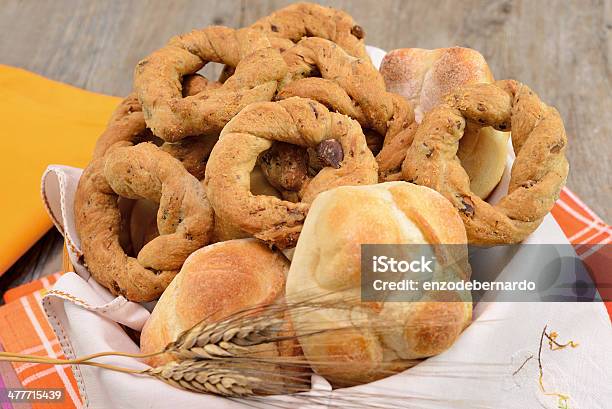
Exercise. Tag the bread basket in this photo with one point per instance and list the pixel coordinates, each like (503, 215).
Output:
(97, 321)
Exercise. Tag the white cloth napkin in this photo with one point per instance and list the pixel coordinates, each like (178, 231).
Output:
(476, 372)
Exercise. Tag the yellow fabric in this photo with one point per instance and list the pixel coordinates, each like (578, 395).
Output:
(42, 122)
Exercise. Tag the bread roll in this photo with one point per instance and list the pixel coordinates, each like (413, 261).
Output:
(425, 77)
(326, 266)
(215, 281)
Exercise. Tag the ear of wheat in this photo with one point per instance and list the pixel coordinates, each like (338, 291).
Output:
(216, 357)
(222, 340)
(206, 377)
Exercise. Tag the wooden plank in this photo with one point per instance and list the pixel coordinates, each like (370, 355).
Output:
(96, 45)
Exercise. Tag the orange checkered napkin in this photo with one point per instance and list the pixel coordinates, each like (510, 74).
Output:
(24, 329)
(44, 283)
(591, 238)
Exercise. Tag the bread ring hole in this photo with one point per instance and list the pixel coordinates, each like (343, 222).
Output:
(115, 287)
(260, 184)
(226, 72)
(374, 140)
(194, 84)
(312, 72)
(315, 72)
(308, 69)
(214, 71)
(146, 136)
(287, 167)
(125, 210)
(138, 224)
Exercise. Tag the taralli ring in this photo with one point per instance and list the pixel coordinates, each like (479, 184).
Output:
(157, 80)
(193, 151)
(538, 174)
(184, 220)
(289, 25)
(312, 20)
(127, 124)
(297, 121)
(349, 85)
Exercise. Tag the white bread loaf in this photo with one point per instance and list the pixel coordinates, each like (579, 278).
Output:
(326, 266)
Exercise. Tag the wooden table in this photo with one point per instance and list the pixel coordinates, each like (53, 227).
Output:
(562, 49)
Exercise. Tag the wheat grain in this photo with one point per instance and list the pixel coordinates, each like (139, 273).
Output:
(206, 377)
(221, 339)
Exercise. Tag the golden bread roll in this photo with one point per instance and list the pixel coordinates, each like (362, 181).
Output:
(364, 341)
(215, 281)
(425, 77)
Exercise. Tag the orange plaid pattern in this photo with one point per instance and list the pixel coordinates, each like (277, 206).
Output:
(26, 289)
(25, 330)
(24, 327)
(591, 238)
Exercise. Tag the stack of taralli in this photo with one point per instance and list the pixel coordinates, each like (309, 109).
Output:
(198, 191)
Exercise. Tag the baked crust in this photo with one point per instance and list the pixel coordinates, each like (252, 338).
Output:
(381, 338)
(214, 282)
(300, 20)
(349, 85)
(184, 220)
(297, 121)
(538, 174)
